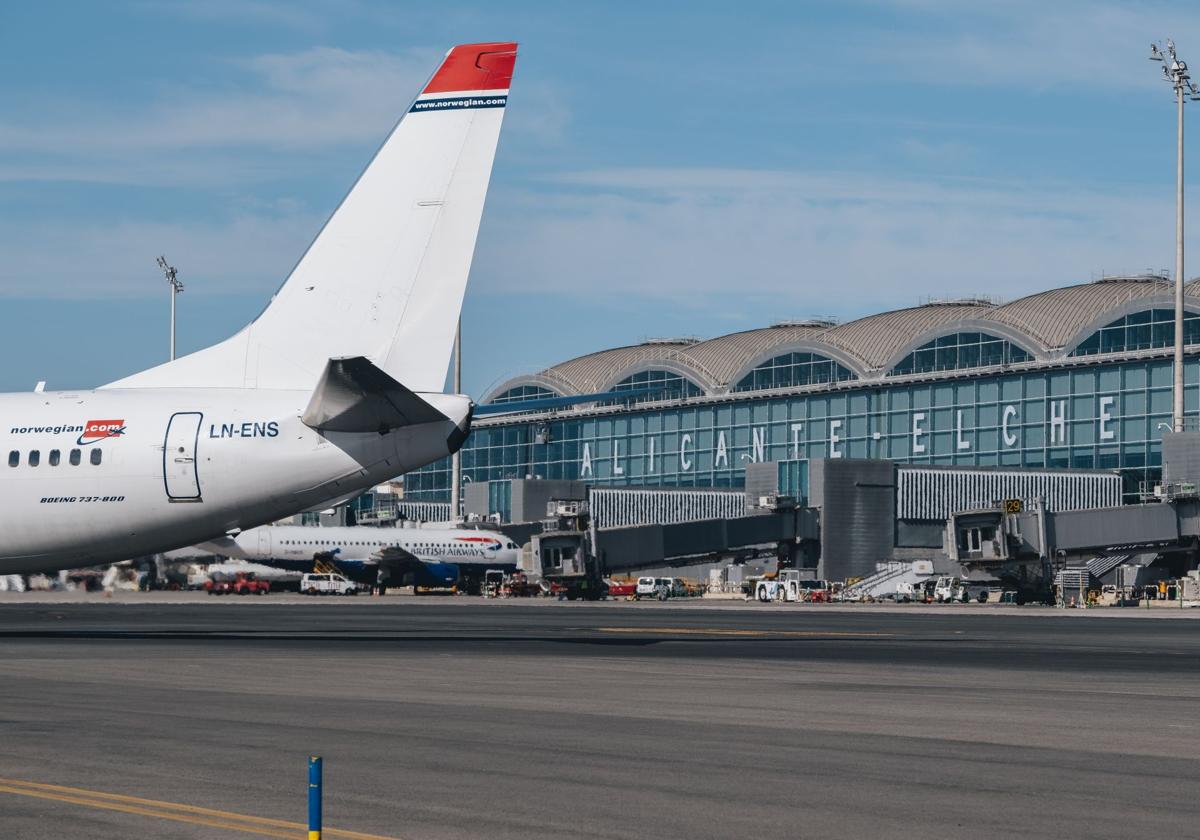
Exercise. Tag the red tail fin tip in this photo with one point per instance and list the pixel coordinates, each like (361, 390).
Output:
(475, 67)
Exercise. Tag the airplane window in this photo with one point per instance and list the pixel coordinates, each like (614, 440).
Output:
(54, 455)
(14, 458)
(35, 457)
(75, 457)
(96, 456)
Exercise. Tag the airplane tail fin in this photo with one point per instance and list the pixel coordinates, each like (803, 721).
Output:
(385, 277)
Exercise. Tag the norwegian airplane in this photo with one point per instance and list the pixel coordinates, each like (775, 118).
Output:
(334, 388)
(391, 556)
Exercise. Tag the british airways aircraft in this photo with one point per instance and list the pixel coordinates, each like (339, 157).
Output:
(335, 387)
(394, 556)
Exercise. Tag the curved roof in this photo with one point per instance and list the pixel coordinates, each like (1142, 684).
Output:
(876, 339)
(1046, 324)
(723, 357)
(1056, 317)
(592, 373)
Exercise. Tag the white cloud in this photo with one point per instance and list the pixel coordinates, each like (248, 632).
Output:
(312, 99)
(251, 130)
(814, 242)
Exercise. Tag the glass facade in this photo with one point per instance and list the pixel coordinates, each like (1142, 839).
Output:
(1103, 414)
(1144, 330)
(791, 370)
(960, 350)
(520, 393)
(665, 384)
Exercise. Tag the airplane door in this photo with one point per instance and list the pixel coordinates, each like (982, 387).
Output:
(264, 543)
(179, 457)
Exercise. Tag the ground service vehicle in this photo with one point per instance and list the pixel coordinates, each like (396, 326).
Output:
(784, 587)
(948, 590)
(652, 587)
(327, 584)
(621, 589)
(247, 584)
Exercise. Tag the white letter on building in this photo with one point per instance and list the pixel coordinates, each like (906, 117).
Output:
(685, 463)
(1009, 411)
(722, 453)
(652, 469)
(797, 428)
(1058, 422)
(617, 468)
(834, 438)
(586, 467)
(917, 446)
(759, 444)
(1106, 415)
(960, 443)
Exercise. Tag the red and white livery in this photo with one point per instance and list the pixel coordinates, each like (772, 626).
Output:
(334, 388)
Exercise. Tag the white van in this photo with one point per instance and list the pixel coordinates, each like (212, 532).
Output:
(651, 587)
(331, 584)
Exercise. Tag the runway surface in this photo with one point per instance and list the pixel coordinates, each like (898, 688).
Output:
(470, 719)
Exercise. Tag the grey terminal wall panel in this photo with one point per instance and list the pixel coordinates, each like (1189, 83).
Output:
(857, 498)
(530, 496)
(1181, 457)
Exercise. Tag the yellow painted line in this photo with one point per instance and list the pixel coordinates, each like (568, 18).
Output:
(733, 631)
(173, 811)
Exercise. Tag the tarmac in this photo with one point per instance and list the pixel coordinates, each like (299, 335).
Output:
(180, 717)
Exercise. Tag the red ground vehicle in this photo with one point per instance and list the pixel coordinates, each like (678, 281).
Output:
(621, 589)
(244, 584)
(218, 587)
(248, 584)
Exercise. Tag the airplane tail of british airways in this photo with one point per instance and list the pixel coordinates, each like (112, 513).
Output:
(384, 279)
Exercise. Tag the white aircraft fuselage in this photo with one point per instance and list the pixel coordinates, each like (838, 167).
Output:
(177, 467)
(361, 544)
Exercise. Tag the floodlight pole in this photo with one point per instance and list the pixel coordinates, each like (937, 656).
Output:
(455, 459)
(176, 288)
(1177, 414)
(1175, 71)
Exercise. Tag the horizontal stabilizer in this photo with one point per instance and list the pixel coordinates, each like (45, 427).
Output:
(356, 396)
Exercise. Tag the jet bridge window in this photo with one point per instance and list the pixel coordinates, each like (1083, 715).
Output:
(54, 456)
(75, 457)
(14, 458)
(96, 456)
(35, 457)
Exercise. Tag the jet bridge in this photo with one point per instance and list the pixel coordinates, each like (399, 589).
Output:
(568, 543)
(1025, 545)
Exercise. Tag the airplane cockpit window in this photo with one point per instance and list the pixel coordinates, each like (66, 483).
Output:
(14, 458)
(54, 456)
(35, 457)
(75, 457)
(96, 456)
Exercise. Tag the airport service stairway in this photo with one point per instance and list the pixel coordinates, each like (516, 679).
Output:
(890, 575)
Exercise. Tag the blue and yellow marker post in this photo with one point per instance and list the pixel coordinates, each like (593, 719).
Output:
(314, 797)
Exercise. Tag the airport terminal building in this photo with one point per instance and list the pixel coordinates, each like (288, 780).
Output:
(1076, 377)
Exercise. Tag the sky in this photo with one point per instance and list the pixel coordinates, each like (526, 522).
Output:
(665, 169)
